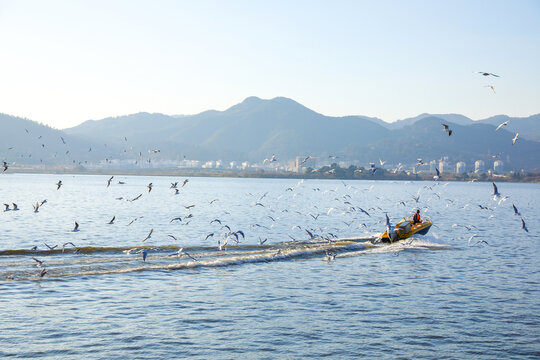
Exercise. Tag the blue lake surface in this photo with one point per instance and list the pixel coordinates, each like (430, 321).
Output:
(443, 295)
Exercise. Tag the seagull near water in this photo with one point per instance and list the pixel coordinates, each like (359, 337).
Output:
(149, 235)
(59, 184)
(523, 226)
(496, 193)
(76, 228)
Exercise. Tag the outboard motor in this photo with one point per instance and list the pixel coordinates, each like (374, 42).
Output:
(392, 233)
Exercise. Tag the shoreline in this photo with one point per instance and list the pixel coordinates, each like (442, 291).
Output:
(518, 178)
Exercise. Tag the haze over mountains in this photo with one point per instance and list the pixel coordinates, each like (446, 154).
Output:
(255, 129)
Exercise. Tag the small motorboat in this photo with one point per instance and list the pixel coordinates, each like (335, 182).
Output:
(405, 228)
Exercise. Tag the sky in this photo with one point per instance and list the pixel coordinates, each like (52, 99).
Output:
(64, 62)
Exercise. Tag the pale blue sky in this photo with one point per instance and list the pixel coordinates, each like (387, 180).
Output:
(63, 62)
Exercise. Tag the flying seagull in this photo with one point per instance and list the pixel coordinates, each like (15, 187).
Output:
(149, 235)
(76, 228)
(487, 74)
(149, 186)
(501, 125)
(496, 193)
(112, 220)
(58, 184)
(447, 129)
(491, 87)
(109, 181)
(305, 159)
(39, 262)
(515, 138)
(523, 226)
(516, 212)
(436, 177)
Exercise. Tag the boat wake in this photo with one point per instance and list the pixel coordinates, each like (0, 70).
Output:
(88, 261)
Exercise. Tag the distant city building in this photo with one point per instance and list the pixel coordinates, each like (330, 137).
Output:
(498, 167)
(209, 165)
(233, 164)
(443, 166)
(432, 166)
(461, 168)
(479, 167)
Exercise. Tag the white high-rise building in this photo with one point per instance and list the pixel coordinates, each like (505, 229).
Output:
(498, 167)
(479, 167)
(461, 168)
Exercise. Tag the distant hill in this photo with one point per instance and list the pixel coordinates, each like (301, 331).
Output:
(453, 118)
(528, 127)
(256, 128)
(28, 142)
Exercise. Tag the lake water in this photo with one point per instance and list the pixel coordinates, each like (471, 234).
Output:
(434, 296)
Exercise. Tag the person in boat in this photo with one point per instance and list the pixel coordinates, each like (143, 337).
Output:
(416, 218)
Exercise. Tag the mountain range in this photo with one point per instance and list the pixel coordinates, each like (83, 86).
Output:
(256, 128)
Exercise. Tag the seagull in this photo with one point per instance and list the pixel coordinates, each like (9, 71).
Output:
(15, 207)
(261, 242)
(39, 262)
(189, 207)
(447, 129)
(481, 241)
(472, 237)
(174, 185)
(516, 212)
(173, 237)
(112, 220)
(515, 139)
(176, 218)
(36, 207)
(523, 226)
(149, 235)
(50, 247)
(305, 159)
(329, 255)
(7, 207)
(436, 177)
(419, 161)
(364, 211)
(76, 228)
(5, 165)
(59, 184)
(209, 235)
(185, 182)
(487, 74)
(149, 186)
(495, 191)
(382, 162)
(43, 272)
(144, 254)
(68, 243)
(501, 125)
(136, 198)
(491, 87)
(109, 181)
(216, 220)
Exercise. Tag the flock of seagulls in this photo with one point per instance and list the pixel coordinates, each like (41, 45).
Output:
(225, 233)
